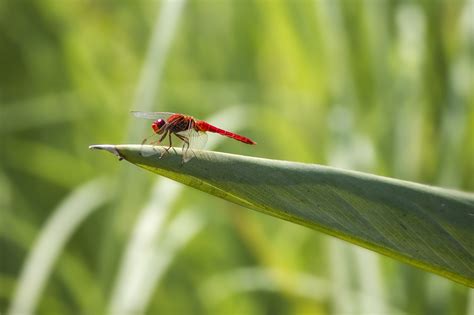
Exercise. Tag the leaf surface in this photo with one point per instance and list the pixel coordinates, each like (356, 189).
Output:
(429, 227)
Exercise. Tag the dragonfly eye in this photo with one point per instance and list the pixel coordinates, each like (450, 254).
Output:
(157, 125)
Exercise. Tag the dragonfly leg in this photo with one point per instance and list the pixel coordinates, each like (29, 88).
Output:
(171, 144)
(161, 139)
(185, 141)
(185, 147)
(146, 139)
(167, 150)
(163, 136)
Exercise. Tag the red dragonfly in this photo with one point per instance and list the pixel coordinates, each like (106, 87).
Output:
(186, 128)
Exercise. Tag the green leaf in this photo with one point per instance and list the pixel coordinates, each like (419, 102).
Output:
(429, 227)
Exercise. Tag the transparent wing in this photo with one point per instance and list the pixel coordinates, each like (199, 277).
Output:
(151, 151)
(152, 115)
(151, 140)
(196, 141)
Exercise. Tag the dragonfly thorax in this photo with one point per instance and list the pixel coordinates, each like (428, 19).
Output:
(157, 126)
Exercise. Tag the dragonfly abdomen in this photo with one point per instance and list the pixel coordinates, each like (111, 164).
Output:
(204, 126)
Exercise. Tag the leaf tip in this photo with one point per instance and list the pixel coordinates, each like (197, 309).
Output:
(107, 147)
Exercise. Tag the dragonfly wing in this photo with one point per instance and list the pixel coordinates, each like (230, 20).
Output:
(152, 115)
(151, 140)
(150, 152)
(197, 140)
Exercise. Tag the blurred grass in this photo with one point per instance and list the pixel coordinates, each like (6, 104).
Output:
(380, 86)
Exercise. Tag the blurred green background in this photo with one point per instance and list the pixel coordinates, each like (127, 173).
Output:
(379, 86)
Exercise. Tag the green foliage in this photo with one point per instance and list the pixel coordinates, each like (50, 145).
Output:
(383, 87)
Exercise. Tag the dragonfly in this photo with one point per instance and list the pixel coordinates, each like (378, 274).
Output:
(192, 132)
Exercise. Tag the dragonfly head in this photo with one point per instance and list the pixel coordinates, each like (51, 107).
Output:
(157, 126)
